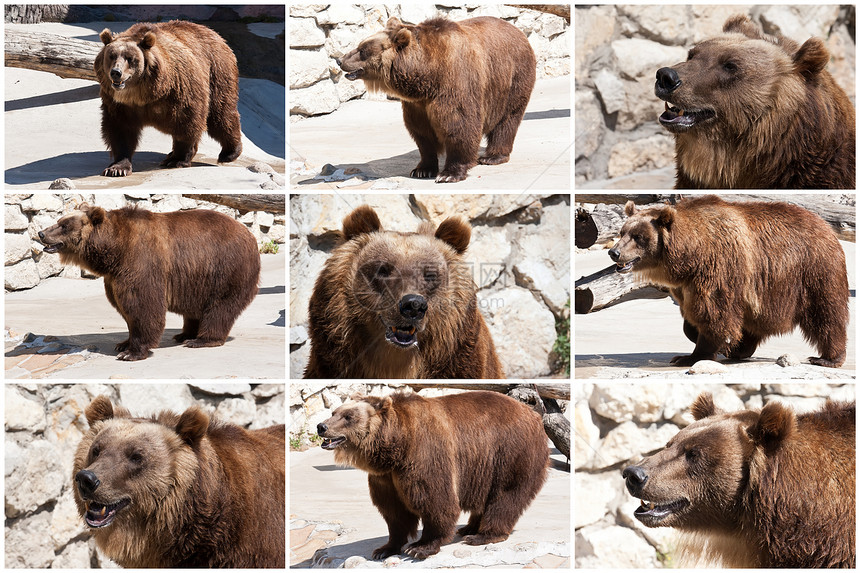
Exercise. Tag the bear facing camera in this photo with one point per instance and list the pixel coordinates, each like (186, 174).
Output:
(200, 264)
(457, 81)
(178, 77)
(756, 488)
(181, 490)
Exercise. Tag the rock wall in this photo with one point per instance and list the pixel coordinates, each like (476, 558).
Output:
(319, 33)
(617, 424)
(26, 214)
(619, 48)
(520, 255)
(45, 423)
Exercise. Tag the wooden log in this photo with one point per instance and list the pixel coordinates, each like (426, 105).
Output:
(65, 57)
(562, 10)
(585, 230)
(557, 427)
(272, 203)
(607, 287)
(545, 389)
(842, 218)
(622, 199)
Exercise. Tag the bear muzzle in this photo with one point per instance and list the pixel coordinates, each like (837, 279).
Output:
(50, 247)
(116, 79)
(328, 443)
(97, 514)
(677, 119)
(622, 267)
(649, 512)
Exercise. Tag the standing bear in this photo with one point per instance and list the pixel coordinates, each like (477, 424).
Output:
(430, 458)
(754, 111)
(181, 490)
(178, 77)
(756, 488)
(742, 272)
(200, 264)
(457, 81)
(399, 305)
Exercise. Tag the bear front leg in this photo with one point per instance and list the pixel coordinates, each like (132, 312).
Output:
(500, 141)
(401, 522)
(121, 132)
(181, 155)
(143, 308)
(461, 134)
(421, 131)
(705, 350)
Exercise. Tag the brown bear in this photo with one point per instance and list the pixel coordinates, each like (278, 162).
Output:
(398, 305)
(753, 111)
(756, 488)
(178, 77)
(181, 490)
(457, 81)
(741, 272)
(430, 458)
(200, 264)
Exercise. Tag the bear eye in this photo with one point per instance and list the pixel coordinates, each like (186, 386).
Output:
(730, 67)
(690, 55)
(384, 271)
(136, 457)
(692, 455)
(95, 452)
(431, 275)
(347, 417)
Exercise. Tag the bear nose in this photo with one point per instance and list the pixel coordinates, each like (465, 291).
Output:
(87, 482)
(321, 429)
(42, 235)
(614, 254)
(115, 74)
(413, 306)
(636, 478)
(668, 80)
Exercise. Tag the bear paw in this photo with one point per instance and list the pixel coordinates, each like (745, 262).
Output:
(446, 177)
(386, 550)
(424, 550)
(690, 359)
(119, 169)
(494, 159)
(129, 356)
(423, 173)
(483, 539)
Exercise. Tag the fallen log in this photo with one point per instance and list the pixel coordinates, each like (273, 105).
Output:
(607, 287)
(65, 57)
(244, 203)
(545, 389)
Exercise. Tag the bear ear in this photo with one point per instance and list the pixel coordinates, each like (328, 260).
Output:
(741, 24)
(98, 410)
(380, 404)
(192, 425)
(96, 215)
(393, 24)
(148, 41)
(811, 58)
(361, 220)
(456, 232)
(703, 406)
(776, 423)
(665, 217)
(402, 38)
(630, 208)
(106, 36)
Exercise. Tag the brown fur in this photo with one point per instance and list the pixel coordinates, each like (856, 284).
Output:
(200, 493)
(757, 488)
(777, 118)
(742, 272)
(200, 264)
(364, 300)
(178, 77)
(457, 81)
(430, 458)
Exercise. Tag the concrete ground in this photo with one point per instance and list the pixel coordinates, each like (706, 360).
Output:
(324, 493)
(82, 329)
(369, 137)
(53, 130)
(638, 338)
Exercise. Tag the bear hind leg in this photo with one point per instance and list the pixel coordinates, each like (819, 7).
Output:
(826, 328)
(500, 141)
(190, 328)
(705, 350)
(181, 154)
(472, 527)
(226, 130)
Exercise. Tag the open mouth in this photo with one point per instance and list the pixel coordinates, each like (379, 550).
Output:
(332, 443)
(651, 513)
(53, 248)
(118, 86)
(676, 119)
(99, 515)
(626, 267)
(355, 74)
(403, 337)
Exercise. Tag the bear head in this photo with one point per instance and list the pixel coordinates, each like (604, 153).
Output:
(640, 246)
(732, 81)
(372, 60)
(69, 235)
(403, 285)
(698, 481)
(354, 431)
(128, 471)
(126, 59)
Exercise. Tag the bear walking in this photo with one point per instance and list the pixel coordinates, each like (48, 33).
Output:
(754, 111)
(398, 305)
(757, 489)
(741, 272)
(457, 81)
(200, 264)
(430, 458)
(178, 77)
